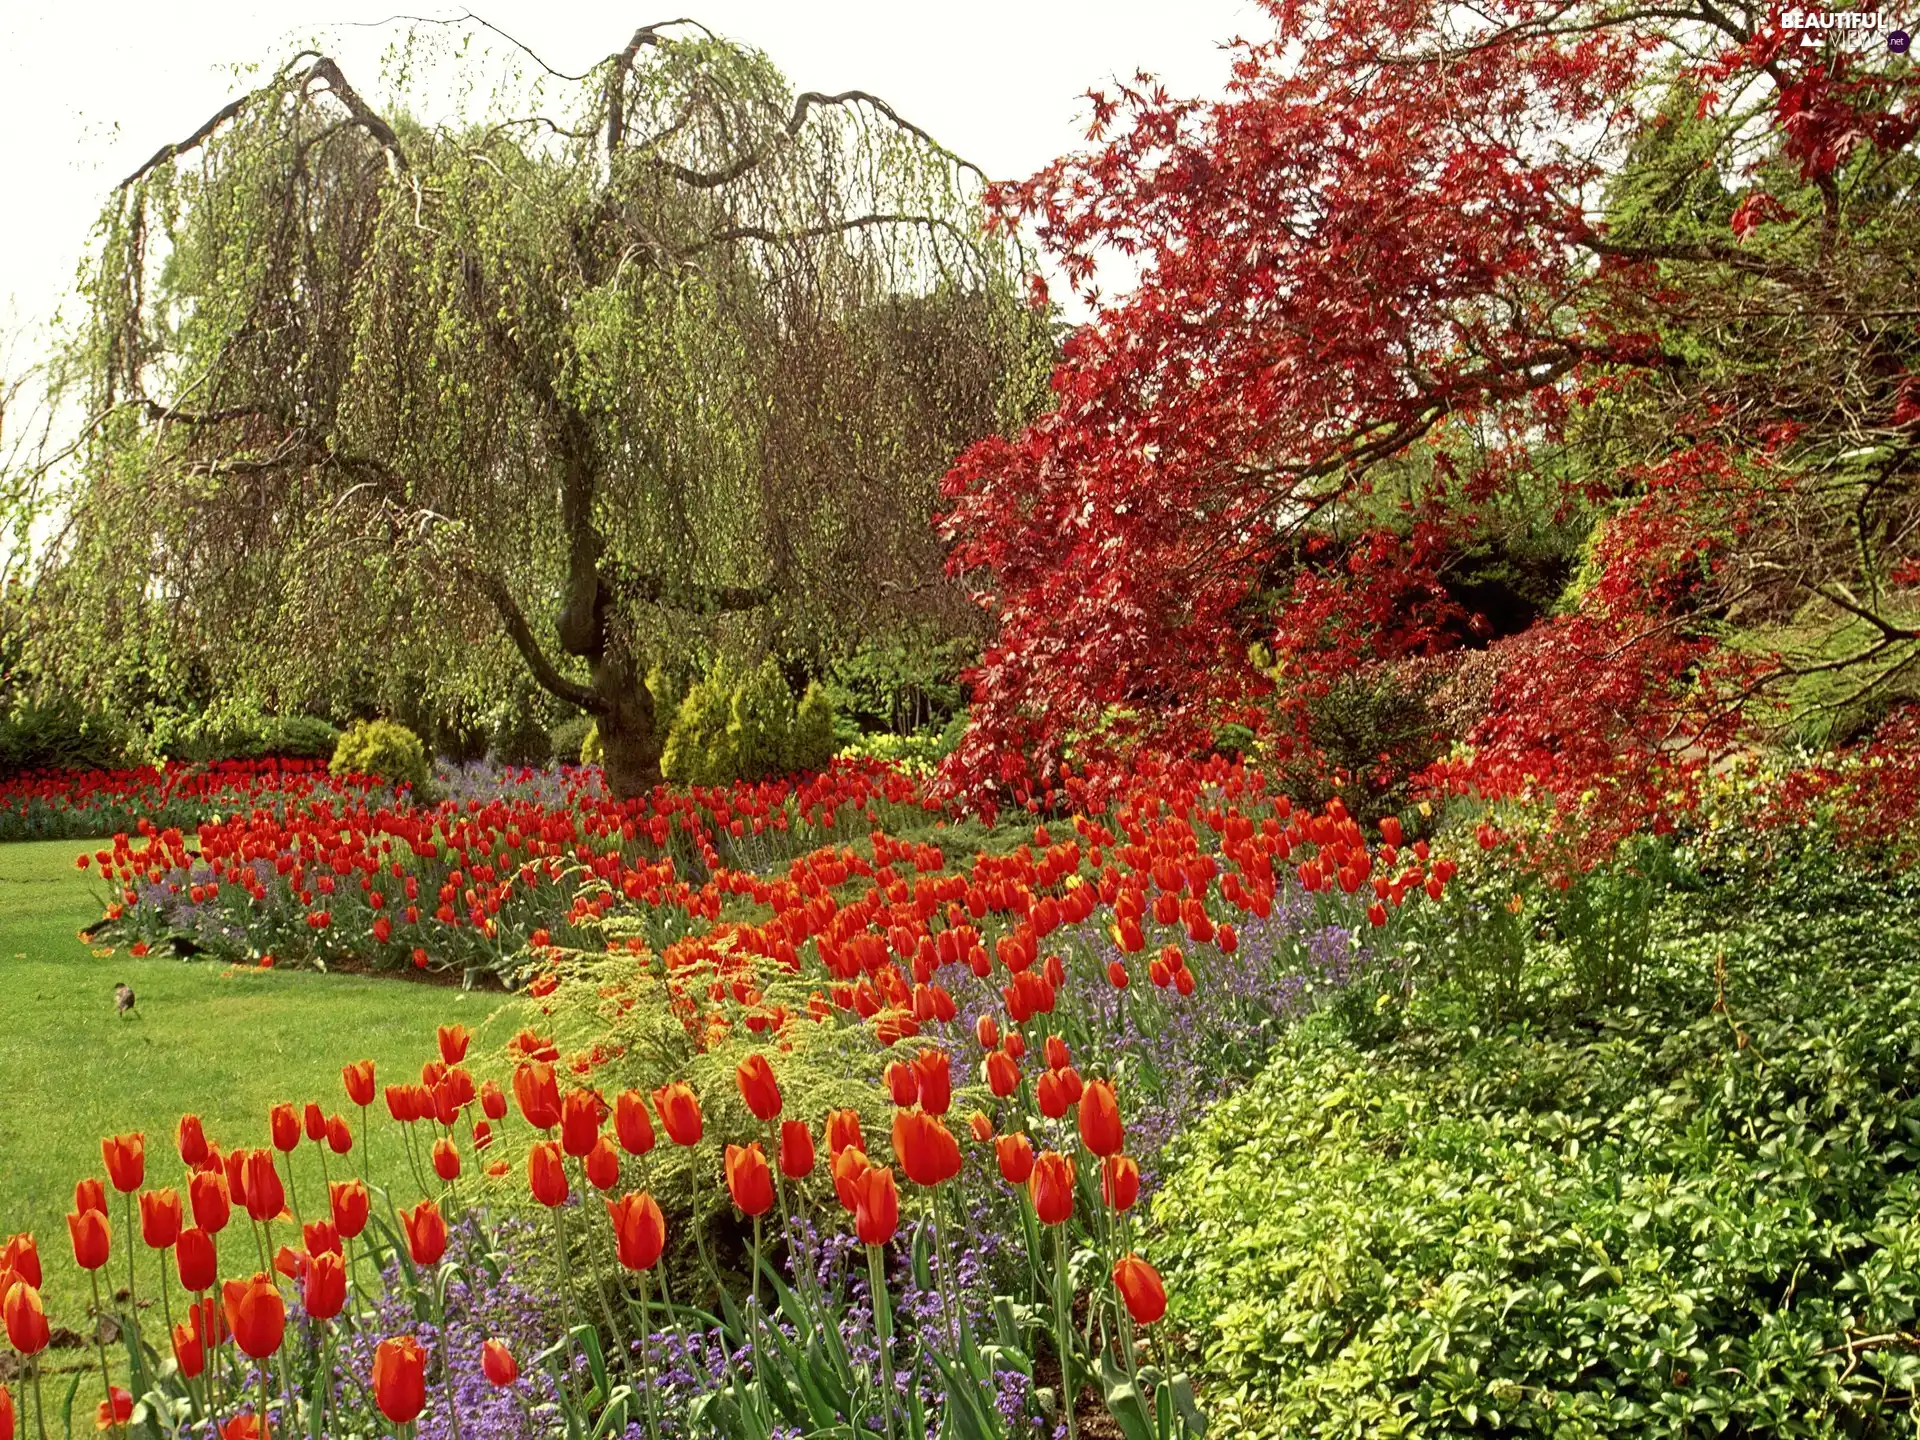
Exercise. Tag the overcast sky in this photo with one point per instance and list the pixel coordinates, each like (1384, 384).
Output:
(90, 88)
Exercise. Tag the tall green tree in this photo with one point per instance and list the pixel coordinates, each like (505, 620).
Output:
(644, 352)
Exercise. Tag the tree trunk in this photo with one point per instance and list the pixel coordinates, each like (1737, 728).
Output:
(631, 736)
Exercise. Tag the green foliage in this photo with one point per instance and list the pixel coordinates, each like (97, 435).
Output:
(905, 683)
(699, 749)
(242, 733)
(1370, 731)
(919, 752)
(519, 734)
(592, 749)
(1695, 1214)
(760, 724)
(569, 738)
(812, 744)
(731, 728)
(61, 734)
(383, 748)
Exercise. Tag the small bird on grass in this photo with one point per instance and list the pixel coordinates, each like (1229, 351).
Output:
(123, 999)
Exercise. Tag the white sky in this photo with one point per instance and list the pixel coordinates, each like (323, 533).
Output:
(90, 88)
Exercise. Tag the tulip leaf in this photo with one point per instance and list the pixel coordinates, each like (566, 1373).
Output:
(1124, 1401)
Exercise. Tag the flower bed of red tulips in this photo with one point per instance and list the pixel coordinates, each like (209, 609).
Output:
(874, 965)
(80, 804)
(326, 876)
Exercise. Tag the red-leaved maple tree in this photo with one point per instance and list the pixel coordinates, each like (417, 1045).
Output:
(1409, 260)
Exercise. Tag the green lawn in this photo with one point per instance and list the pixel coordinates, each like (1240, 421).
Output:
(225, 1043)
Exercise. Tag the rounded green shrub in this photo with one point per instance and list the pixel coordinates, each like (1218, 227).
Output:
(814, 740)
(593, 750)
(384, 749)
(699, 749)
(760, 724)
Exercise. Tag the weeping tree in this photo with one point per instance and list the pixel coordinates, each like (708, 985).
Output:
(631, 359)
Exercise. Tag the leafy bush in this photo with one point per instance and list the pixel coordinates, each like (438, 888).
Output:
(593, 750)
(906, 683)
(919, 752)
(382, 748)
(729, 729)
(1368, 734)
(569, 737)
(519, 733)
(60, 734)
(699, 750)
(760, 724)
(1698, 1214)
(243, 734)
(813, 730)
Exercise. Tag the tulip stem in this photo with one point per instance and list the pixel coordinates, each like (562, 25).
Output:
(39, 1405)
(264, 1428)
(1063, 1324)
(133, 1304)
(446, 1361)
(293, 1192)
(106, 1379)
(593, 1267)
(882, 1331)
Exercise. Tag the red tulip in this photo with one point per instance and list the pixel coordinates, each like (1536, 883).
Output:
(1003, 1074)
(126, 1161)
(925, 1148)
(207, 1194)
(847, 1167)
(313, 1120)
(160, 1218)
(603, 1165)
(1015, 1154)
(6, 1397)
(339, 1137)
(264, 1195)
(981, 1127)
(1051, 1187)
(1100, 1127)
(902, 1084)
(493, 1101)
(348, 1200)
(876, 1212)
(498, 1365)
(284, 1123)
(21, 1256)
(326, 1288)
(91, 1238)
(749, 1180)
(115, 1411)
(358, 1078)
(1119, 1182)
(758, 1087)
(426, 1232)
(639, 1230)
(987, 1031)
(195, 1257)
(1051, 1093)
(547, 1174)
(26, 1319)
(446, 1159)
(538, 1093)
(1117, 975)
(453, 1042)
(188, 1351)
(796, 1150)
(255, 1314)
(933, 1073)
(843, 1130)
(632, 1123)
(400, 1379)
(679, 1111)
(580, 1116)
(320, 1237)
(191, 1141)
(1140, 1286)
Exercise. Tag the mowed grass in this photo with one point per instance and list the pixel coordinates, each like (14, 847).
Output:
(224, 1043)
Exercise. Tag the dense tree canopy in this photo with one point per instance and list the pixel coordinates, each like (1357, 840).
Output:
(632, 354)
(1431, 277)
